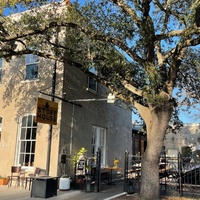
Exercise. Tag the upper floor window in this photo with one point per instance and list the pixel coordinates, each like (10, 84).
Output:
(92, 84)
(27, 141)
(31, 67)
(1, 69)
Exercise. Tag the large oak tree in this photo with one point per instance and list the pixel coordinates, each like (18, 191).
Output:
(142, 50)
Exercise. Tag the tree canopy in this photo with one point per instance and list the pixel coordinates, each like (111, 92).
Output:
(141, 43)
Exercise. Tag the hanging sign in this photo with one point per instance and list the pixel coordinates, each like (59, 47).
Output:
(46, 111)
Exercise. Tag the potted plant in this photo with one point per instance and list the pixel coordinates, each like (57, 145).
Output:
(4, 180)
(64, 182)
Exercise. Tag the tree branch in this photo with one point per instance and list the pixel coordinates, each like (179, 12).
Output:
(129, 10)
(132, 89)
(184, 32)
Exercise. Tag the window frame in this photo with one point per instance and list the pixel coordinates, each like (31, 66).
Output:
(99, 134)
(91, 83)
(30, 127)
(31, 61)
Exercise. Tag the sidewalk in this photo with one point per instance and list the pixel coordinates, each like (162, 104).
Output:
(107, 192)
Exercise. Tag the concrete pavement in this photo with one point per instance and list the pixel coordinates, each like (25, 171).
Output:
(107, 192)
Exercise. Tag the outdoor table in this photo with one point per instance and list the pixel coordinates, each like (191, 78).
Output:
(44, 186)
(111, 173)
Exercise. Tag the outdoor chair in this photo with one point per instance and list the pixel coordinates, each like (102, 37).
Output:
(28, 179)
(15, 175)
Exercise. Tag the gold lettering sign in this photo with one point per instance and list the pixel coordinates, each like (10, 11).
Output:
(47, 111)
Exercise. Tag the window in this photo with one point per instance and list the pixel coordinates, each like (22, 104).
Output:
(31, 67)
(99, 140)
(92, 84)
(1, 119)
(27, 140)
(1, 69)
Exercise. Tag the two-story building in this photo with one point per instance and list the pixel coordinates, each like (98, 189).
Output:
(87, 123)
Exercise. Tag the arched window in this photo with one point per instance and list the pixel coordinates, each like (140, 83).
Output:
(27, 140)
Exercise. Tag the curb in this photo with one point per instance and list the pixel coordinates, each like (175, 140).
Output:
(118, 195)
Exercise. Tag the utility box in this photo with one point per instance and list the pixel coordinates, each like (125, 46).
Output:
(44, 187)
(63, 158)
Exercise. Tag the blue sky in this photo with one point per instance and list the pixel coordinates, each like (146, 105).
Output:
(190, 118)
(185, 117)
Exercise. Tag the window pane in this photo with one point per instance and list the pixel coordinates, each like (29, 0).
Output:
(21, 160)
(101, 137)
(23, 146)
(33, 147)
(23, 133)
(30, 59)
(24, 119)
(28, 134)
(32, 159)
(31, 71)
(34, 130)
(27, 159)
(92, 84)
(28, 147)
(29, 121)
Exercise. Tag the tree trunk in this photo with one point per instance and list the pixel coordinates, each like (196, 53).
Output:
(156, 129)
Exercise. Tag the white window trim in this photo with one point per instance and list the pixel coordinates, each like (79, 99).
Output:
(103, 151)
(17, 152)
(31, 63)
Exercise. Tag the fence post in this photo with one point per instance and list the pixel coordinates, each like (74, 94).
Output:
(180, 173)
(126, 171)
(98, 171)
(88, 175)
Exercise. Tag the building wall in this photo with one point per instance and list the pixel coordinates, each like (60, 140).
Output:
(188, 136)
(77, 122)
(17, 98)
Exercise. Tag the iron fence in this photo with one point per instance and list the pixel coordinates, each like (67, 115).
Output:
(180, 175)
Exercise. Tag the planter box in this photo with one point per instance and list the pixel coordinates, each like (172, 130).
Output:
(4, 181)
